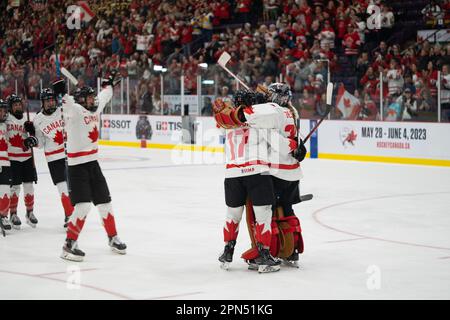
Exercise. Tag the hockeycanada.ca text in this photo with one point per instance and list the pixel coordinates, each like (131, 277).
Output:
(232, 309)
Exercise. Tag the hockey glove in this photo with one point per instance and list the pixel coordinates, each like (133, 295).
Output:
(113, 79)
(59, 87)
(226, 115)
(30, 142)
(300, 152)
(29, 128)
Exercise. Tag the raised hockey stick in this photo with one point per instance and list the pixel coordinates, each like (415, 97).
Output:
(69, 76)
(223, 60)
(327, 111)
(60, 105)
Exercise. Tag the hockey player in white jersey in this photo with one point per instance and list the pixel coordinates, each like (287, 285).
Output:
(48, 128)
(247, 176)
(22, 162)
(87, 183)
(286, 172)
(5, 170)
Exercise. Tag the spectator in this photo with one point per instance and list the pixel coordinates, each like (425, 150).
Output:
(394, 78)
(445, 93)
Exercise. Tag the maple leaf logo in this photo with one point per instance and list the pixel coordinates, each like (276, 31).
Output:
(351, 137)
(347, 103)
(93, 135)
(58, 138)
(16, 141)
(3, 145)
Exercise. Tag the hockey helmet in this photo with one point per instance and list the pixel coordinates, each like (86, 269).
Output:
(3, 110)
(48, 102)
(12, 101)
(280, 93)
(81, 97)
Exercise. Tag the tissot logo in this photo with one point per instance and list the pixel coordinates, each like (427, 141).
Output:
(117, 124)
(168, 125)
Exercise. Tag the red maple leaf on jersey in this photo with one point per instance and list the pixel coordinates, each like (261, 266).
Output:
(93, 135)
(3, 145)
(16, 141)
(59, 138)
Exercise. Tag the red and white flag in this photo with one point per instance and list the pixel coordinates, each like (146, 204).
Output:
(348, 104)
(86, 14)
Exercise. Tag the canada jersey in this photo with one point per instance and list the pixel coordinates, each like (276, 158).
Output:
(49, 132)
(280, 139)
(246, 152)
(16, 136)
(4, 159)
(82, 128)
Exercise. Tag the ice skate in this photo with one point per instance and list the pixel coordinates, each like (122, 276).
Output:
(292, 260)
(4, 221)
(31, 219)
(227, 256)
(266, 263)
(117, 245)
(15, 221)
(71, 252)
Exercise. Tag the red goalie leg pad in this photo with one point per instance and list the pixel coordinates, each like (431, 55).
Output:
(4, 205)
(230, 231)
(67, 205)
(13, 203)
(297, 230)
(73, 230)
(275, 241)
(29, 201)
(110, 225)
(250, 254)
(265, 238)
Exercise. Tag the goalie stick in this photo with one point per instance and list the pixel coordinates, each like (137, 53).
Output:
(225, 58)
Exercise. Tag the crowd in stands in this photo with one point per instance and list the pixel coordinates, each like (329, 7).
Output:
(296, 41)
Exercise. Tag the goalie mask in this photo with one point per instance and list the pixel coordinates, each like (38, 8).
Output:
(3, 111)
(48, 102)
(86, 97)
(15, 106)
(280, 93)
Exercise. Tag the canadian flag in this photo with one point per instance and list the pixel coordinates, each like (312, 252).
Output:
(86, 14)
(348, 104)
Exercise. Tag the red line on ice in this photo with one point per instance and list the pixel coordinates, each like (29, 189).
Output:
(117, 295)
(316, 213)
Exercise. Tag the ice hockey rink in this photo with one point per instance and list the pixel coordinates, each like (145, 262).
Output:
(372, 231)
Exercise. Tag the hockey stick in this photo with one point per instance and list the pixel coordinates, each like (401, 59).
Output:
(60, 105)
(328, 109)
(28, 119)
(306, 197)
(223, 60)
(69, 76)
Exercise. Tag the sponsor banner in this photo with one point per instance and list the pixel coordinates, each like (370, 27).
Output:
(389, 139)
(157, 129)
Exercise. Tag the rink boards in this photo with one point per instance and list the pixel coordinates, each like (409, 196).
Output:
(393, 142)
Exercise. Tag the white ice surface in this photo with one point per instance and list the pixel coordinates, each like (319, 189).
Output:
(372, 231)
